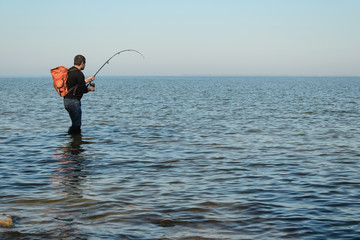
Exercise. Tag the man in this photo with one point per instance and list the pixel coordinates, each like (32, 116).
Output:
(76, 84)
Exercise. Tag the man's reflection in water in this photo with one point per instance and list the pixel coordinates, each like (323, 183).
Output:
(69, 182)
(70, 173)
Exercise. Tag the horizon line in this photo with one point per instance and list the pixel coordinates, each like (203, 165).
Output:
(191, 75)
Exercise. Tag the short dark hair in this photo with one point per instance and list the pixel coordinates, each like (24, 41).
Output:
(79, 59)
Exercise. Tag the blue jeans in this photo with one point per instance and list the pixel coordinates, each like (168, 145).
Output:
(73, 106)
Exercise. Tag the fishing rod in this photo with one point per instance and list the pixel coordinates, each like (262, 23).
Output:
(107, 62)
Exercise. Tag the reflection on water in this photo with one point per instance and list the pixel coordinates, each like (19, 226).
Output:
(68, 181)
(71, 172)
(183, 158)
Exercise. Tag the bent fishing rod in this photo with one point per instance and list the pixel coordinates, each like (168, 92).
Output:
(107, 62)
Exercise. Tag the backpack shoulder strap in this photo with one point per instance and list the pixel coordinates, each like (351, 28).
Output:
(75, 86)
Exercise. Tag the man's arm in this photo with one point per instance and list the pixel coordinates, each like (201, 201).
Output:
(90, 79)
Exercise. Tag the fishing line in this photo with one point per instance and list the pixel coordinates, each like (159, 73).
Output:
(107, 62)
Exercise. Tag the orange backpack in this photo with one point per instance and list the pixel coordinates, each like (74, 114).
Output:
(60, 76)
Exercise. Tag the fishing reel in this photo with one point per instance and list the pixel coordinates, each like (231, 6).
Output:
(91, 85)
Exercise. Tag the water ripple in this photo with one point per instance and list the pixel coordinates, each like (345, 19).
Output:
(183, 158)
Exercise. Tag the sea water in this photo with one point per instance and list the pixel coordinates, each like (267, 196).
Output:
(183, 158)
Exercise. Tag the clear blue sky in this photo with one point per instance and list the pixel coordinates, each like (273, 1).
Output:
(191, 37)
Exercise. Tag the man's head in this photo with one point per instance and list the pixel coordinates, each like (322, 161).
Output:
(80, 61)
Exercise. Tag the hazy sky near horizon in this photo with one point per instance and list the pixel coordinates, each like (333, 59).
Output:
(182, 37)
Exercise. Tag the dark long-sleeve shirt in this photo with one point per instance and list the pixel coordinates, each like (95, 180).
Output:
(76, 83)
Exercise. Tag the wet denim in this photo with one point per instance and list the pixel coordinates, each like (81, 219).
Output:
(73, 106)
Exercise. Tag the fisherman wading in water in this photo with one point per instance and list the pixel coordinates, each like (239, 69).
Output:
(76, 84)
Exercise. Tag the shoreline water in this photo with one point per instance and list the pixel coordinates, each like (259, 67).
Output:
(182, 158)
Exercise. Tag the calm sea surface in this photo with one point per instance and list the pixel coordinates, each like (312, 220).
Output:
(183, 158)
